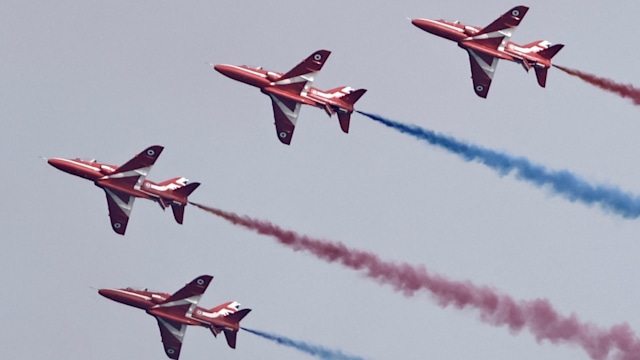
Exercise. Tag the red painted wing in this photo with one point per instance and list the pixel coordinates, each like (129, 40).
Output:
(299, 79)
(132, 174)
(482, 69)
(120, 205)
(497, 34)
(285, 113)
(196, 287)
(144, 159)
(172, 334)
(311, 64)
(508, 20)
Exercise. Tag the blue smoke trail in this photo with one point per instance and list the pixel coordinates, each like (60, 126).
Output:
(315, 350)
(562, 182)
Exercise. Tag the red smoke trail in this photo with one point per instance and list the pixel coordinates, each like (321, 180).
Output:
(538, 316)
(624, 90)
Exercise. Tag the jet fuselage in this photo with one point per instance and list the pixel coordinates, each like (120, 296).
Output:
(459, 33)
(152, 303)
(266, 82)
(97, 172)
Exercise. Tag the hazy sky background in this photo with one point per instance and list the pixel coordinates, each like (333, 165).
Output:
(105, 80)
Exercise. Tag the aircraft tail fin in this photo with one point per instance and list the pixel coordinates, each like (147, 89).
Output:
(234, 318)
(183, 193)
(351, 98)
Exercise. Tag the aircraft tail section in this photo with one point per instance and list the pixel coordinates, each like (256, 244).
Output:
(345, 120)
(351, 98)
(548, 53)
(186, 190)
(541, 75)
(183, 193)
(178, 212)
(354, 96)
(234, 320)
(551, 51)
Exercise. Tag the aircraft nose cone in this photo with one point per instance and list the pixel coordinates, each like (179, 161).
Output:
(422, 24)
(57, 163)
(222, 69)
(108, 293)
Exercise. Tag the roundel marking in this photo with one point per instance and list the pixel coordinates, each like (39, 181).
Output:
(199, 281)
(117, 225)
(479, 88)
(283, 134)
(317, 57)
(170, 351)
(199, 312)
(515, 12)
(151, 152)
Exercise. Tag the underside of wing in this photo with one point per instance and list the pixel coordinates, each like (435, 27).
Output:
(482, 69)
(285, 113)
(120, 205)
(172, 334)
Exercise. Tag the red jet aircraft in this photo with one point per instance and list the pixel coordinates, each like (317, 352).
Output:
(288, 91)
(175, 312)
(486, 45)
(126, 183)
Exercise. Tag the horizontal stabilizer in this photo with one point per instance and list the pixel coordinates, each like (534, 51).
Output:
(237, 316)
(178, 212)
(344, 119)
(354, 96)
(186, 190)
(541, 75)
(231, 338)
(551, 51)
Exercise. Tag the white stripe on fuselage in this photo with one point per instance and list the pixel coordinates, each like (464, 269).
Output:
(81, 164)
(445, 24)
(249, 71)
(132, 293)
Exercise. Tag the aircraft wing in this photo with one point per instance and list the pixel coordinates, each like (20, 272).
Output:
(498, 33)
(185, 300)
(299, 78)
(120, 205)
(285, 112)
(483, 67)
(172, 334)
(134, 171)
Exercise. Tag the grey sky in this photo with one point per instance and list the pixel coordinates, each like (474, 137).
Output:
(106, 80)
